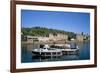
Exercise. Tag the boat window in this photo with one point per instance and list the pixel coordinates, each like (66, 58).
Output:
(44, 48)
(42, 53)
(58, 53)
(54, 53)
(48, 48)
(48, 53)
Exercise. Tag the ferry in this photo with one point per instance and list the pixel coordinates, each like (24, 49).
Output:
(48, 51)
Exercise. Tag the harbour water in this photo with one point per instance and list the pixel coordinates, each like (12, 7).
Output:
(26, 54)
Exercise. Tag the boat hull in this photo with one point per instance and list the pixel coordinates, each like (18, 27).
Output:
(46, 53)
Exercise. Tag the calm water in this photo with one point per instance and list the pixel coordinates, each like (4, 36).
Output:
(26, 54)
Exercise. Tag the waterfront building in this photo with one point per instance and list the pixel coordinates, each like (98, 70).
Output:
(51, 37)
(58, 37)
(79, 37)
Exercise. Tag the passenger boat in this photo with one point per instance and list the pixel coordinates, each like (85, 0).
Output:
(47, 51)
(71, 51)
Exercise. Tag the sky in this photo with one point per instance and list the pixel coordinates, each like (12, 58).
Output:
(68, 21)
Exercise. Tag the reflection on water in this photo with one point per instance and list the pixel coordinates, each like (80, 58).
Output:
(26, 54)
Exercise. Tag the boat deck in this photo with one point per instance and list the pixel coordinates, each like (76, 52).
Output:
(70, 51)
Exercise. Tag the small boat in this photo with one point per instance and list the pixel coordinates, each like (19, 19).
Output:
(47, 51)
(71, 51)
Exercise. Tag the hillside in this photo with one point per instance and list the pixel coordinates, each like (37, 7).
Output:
(42, 31)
